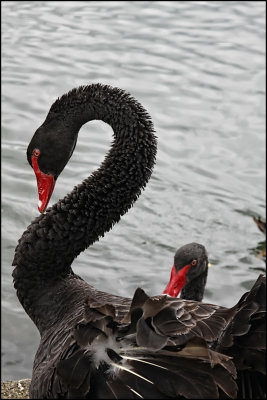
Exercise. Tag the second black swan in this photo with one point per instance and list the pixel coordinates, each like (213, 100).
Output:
(95, 344)
(248, 343)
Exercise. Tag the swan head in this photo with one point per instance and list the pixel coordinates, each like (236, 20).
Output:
(190, 262)
(48, 153)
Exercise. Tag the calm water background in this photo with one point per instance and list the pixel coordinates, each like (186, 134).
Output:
(199, 69)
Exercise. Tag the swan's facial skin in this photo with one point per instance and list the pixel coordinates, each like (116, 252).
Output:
(48, 153)
(190, 261)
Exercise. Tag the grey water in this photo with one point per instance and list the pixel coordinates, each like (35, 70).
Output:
(198, 67)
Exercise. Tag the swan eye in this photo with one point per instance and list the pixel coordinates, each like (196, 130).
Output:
(193, 263)
(36, 153)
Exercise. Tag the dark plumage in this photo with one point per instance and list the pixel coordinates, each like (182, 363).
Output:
(245, 338)
(94, 344)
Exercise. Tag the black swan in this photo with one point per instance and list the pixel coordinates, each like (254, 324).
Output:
(98, 345)
(248, 343)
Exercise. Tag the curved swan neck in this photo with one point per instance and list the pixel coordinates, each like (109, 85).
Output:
(98, 102)
(194, 290)
(48, 247)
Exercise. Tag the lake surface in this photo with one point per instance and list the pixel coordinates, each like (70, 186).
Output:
(198, 67)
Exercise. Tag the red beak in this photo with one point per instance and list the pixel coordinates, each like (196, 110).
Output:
(177, 281)
(45, 184)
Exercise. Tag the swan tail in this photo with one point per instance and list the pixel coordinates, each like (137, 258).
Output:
(245, 341)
